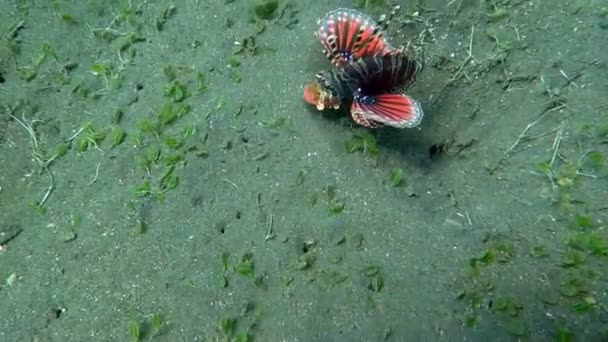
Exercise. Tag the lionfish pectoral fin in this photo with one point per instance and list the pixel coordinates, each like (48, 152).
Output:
(359, 118)
(347, 34)
(331, 49)
(396, 110)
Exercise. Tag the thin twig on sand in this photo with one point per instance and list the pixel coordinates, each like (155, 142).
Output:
(523, 136)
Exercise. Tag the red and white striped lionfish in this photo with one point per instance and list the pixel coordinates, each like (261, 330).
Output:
(369, 73)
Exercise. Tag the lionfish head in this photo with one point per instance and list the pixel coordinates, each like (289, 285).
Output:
(320, 94)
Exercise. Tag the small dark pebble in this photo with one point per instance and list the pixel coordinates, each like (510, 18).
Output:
(55, 313)
(220, 227)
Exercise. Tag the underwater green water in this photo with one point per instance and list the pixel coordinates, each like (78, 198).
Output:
(162, 179)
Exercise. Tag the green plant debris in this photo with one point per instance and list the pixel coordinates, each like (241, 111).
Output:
(147, 126)
(549, 297)
(498, 252)
(248, 45)
(573, 287)
(11, 280)
(265, 10)
(67, 18)
(471, 320)
(136, 139)
(563, 334)
(585, 304)
(125, 43)
(539, 251)
(140, 227)
(601, 130)
(573, 258)
(233, 61)
(364, 142)
(589, 242)
(37, 207)
(330, 191)
(235, 76)
(355, 240)
(116, 116)
(496, 13)
(336, 207)
(475, 292)
(227, 326)
(182, 110)
(223, 280)
(200, 82)
(152, 154)
(149, 157)
(395, 177)
(258, 281)
(127, 15)
(157, 322)
(189, 130)
(246, 266)
(507, 305)
(143, 189)
(224, 261)
(172, 159)
(594, 160)
(168, 180)
(99, 69)
(29, 72)
(75, 220)
(486, 258)
(544, 167)
(81, 144)
(582, 221)
(303, 262)
(89, 137)
(332, 278)
(516, 327)
(162, 18)
(134, 331)
(221, 102)
(170, 72)
(229, 22)
(172, 142)
(176, 91)
(9, 42)
(373, 4)
(567, 175)
(81, 90)
(45, 51)
(376, 281)
(167, 114)
(223, 277)
(61, 150)
(117, 136)
(112, 80)
(242, 337)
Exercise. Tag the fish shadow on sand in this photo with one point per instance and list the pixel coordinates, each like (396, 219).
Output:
(420, 145)
(413, 146)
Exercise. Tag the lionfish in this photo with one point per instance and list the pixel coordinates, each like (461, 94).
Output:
(370, 75)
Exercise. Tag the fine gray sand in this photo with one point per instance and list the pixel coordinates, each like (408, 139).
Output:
(161, 178)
